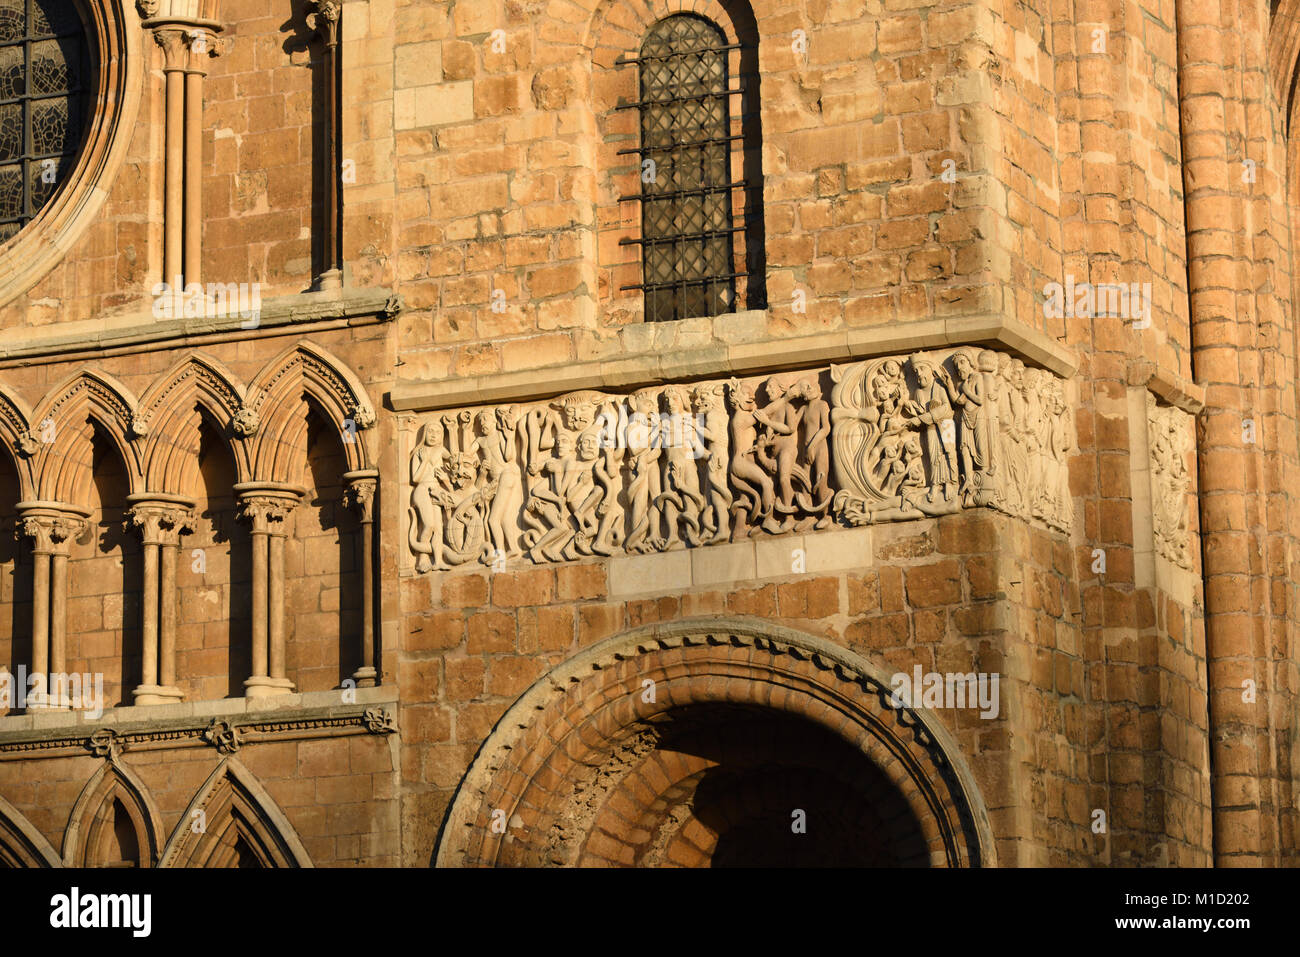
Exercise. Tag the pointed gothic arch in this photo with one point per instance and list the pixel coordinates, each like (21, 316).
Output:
(170, 417)
(16, 437)
(241, 824)
(21, 845)
(279, 397)
(67, 417)
(114, 802)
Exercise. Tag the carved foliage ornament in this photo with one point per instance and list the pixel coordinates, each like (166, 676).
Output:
(668, 467)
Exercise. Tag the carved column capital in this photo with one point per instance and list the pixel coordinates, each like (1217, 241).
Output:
(161, 521)
(202, 43)
(174, 46)
(359, 492)
(186, 43)
(267, 504)
(50, 526)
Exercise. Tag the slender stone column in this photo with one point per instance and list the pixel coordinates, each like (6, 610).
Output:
(149, 618)
(267, 506)
(167, 616)
(325, 20)
(275, 601)
(40, 621)
(161, 519)
(185, 43)
(198, 44)
(360, 494)
(50, 525)
(173, 45)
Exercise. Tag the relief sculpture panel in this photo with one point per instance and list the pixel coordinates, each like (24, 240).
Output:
(591, 473)
(1169, 431)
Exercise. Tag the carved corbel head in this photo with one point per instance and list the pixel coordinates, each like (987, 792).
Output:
(323, 16)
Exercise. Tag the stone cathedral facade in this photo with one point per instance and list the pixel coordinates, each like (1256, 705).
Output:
(648, 433)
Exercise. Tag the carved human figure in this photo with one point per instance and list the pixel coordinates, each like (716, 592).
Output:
(977, 399)
(931, 411)
(501, 477)
(644, 483)
(1011, 418)
(815, 432)
(713, 432)
(1062, 440)
(753, 506)
(431, 492)
(912, 486)
(1033, 437)
(780, 441)
(680, 496)
(582, 493)
(607, 474)
(1170, 483)
(551, 531)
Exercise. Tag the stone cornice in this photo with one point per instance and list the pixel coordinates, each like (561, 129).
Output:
(653, 363)
(1175, 390)
(284, 315)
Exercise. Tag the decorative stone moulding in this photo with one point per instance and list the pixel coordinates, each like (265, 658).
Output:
(226, 734)
(592, 473)
(1169, 433)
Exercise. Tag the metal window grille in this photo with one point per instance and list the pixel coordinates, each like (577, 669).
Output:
(45, 85)
(687, 222)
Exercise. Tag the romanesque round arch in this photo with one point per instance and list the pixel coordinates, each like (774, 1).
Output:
(571, 752)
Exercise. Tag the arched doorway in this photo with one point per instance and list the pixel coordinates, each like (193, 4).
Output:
(715, 743)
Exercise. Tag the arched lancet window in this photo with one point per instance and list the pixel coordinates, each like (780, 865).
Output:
(45, 80)
(694, 245)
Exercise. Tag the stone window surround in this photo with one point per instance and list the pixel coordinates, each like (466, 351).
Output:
(112, 30)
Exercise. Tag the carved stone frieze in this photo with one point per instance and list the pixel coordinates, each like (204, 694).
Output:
(590, 473)
(938, 432)
(1169, 432)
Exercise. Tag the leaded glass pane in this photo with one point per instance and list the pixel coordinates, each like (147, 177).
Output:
(12, 20)
(45, 85)
(12, 73)
(686, 213)
(11, 131)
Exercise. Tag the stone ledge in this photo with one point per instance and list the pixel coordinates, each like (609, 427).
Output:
(190, 714)
(646, 361)
(139, 332)
(760, 559)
